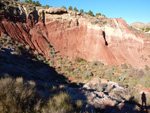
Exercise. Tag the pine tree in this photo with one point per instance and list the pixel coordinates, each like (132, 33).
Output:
(90, 13)
(81, 11)
(75, 9)
(70, 8)
(64, 7)
(98, 14)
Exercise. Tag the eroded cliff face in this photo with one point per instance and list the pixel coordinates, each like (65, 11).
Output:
(108, 40)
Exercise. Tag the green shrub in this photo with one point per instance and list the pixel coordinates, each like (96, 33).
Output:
(70, 8)
(36, 3)
(81, 10)
(98, 14)
(109, 73)
(124, 66)
(79, 105)
(79, 59)
(60, 103)
(90, 13)
(147, 29)
(46, 6)
(64, 7)
(18, 97)
(75, 9)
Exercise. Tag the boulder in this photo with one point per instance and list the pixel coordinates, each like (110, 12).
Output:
(55, 10)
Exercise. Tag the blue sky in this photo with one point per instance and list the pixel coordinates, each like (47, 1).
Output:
(129, 10)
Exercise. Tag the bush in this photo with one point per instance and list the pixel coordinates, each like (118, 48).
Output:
(75, 9)
(80, 60)
(79, 104)
(70, 8)
(124, 66)
(147, 29)
(90, 13)
(98, 14)
(60, 103)
(140, 73)
(36, 3)
(46, 6)
(81, 10)
(18, 97)
(64, 7)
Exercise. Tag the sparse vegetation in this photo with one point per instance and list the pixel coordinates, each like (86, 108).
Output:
(17, 97)
(46, 6)
(98, 14)
(19, 94)
(79, 59)
(64, 7)
(146, 29)
(59, 103)
(90, 13)
(36, 3)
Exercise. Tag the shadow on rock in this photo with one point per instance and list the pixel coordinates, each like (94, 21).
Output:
(29, 68)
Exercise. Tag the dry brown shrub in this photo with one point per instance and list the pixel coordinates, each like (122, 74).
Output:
(18, 97)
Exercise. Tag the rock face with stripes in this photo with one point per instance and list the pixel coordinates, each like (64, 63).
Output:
(109, 40)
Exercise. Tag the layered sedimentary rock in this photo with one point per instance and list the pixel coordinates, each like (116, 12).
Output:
(108, 40)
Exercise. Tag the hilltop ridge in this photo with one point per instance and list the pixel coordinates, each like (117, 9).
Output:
(140, 25)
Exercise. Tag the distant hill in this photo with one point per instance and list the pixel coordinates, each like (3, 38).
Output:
(140, 25)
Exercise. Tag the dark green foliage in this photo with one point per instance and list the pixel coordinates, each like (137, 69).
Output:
(46, 6)
(147, 29)
(30, 1)
(36, 3)
(64, 7)
(70, 8)
(98, 14)
(75, 9)
(79, 59)
(81, 11)
(90, 13)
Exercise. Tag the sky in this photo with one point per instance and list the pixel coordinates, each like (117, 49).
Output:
(130, 10)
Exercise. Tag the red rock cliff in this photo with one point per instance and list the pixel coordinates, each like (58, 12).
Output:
(110, 41)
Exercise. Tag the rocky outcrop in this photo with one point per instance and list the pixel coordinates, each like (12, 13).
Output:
(112, 98)
(108, 40)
